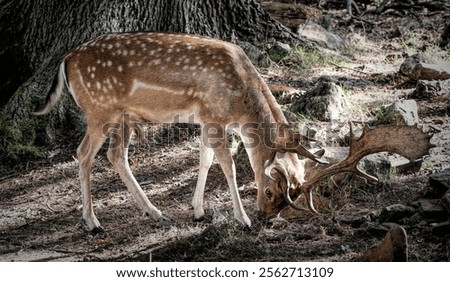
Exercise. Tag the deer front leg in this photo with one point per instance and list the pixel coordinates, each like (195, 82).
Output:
(206, 159)
(229, 169)
(118, 156)
(225, 159)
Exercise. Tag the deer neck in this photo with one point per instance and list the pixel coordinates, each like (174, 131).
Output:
(267, 118)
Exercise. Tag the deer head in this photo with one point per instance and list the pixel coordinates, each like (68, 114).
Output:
(286, 184)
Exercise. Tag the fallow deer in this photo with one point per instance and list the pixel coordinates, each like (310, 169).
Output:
(161, 77)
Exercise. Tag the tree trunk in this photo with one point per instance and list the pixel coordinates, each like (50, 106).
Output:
(36, 34)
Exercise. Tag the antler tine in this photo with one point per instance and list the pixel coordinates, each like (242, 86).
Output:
(289, 142)
(309, 201)
(296, 147)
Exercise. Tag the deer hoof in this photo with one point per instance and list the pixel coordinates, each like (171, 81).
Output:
(97, 230)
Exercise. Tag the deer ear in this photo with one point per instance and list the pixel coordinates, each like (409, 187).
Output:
(274, 164)
(319, 153)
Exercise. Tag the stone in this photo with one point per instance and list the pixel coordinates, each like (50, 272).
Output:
(279, 51)
(393, 248)
(401, 165)
(445, 37)
(402, 112)
(416, 218)
(446, 201)
(432, 209)
(440, 182)
(325, 101)
(256, 56)
(417, 67)
(448, 249)
(372, 229)
(396, 212)
(407, 67)
(426, 89)
(320, 35)
(441, 228)
(377, 165)
(436, 71)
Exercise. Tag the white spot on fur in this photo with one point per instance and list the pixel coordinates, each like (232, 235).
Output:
(120, 68)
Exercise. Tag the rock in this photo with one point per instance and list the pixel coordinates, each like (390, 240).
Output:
(448, 249)
(426, 89)
(401, 165)
(445, 37)
(279, 51)
(321, 36)
(396, 212)
(407, 67)
(440, 183)
(255, 55)
(377, 165)
(432, 209)
(441, 228)
(417, 67)
(372, 229)
(436, 71)
(446, 201)
(393, 248)
(402, 112)
(354, 220)
(325, 101)
(415, 218)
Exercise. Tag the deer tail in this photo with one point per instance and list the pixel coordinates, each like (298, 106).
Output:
(55, 92)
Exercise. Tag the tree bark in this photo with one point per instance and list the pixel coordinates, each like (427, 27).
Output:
(37, 33)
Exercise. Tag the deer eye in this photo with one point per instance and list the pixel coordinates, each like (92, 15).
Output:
(268, 193)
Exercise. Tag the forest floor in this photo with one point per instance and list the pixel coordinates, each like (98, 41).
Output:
(40, 202)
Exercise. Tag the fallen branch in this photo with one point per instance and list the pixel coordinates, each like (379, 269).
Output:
(349, 68)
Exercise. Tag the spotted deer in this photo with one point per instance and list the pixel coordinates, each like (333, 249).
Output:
(159, 77)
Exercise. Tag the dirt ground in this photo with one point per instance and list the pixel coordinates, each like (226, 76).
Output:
(40, 205)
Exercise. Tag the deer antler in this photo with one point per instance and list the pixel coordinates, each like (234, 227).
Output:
(408, 141)
(290, 142)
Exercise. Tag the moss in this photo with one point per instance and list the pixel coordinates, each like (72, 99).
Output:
(17, 138)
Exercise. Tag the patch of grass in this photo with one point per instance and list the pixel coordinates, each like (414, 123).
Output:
(381, 116)
(302, 58)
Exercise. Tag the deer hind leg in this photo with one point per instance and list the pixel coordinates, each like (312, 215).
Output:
(118, 156)
(86, 152)
(224, 156)
(206, 159)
